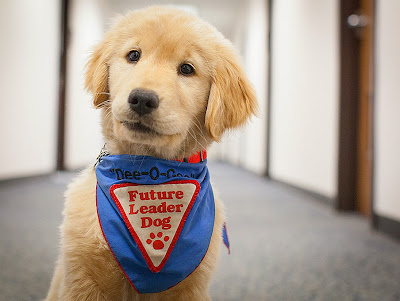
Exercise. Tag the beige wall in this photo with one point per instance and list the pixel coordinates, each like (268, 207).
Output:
(247, 146)
(387, 110)
(29, 62)
(256, 61)
(83, 136)
(305, 93)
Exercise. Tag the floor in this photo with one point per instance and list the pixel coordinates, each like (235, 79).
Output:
(285, 244)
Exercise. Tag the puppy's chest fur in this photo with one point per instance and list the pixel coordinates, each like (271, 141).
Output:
(86, 253)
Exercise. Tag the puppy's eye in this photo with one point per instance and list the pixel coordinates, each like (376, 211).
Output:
(186, 69)
(133, 56)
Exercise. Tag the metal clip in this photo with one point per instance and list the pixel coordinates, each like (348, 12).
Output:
(103, 152)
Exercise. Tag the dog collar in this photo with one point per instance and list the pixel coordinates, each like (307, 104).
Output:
(156, 215)
(195, 158)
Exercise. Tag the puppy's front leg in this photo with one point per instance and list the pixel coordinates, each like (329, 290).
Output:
(86, 269)
(91, 273)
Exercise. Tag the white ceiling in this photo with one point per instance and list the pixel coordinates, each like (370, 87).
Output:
(223, 14)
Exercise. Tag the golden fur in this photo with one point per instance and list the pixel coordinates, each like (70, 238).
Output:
(193, 111)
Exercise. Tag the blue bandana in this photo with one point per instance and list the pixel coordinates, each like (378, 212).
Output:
(157, 217)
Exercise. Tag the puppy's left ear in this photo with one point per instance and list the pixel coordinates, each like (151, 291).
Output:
(97, 74)
(232, 99)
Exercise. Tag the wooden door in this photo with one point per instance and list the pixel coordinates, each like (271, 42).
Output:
(356, 99)
(365, 102)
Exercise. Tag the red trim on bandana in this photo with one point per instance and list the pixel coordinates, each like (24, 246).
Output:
(155, 269)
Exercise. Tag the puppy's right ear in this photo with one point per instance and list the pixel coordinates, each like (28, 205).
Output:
(97, 74)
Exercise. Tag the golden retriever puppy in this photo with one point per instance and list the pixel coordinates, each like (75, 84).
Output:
(143, 223)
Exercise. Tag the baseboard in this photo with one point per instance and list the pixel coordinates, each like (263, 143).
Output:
(8, 181)
(386, 225)
(315, 195)
(37, 177)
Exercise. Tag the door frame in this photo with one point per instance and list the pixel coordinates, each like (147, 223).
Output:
(269, 95)
(64, 39)
(349, 111)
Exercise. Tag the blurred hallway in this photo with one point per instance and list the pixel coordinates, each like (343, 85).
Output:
(286, 244)
(315, 131)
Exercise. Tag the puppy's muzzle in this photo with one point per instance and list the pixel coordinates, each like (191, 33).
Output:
(143, 101)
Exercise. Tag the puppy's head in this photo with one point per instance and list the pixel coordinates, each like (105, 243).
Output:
(168, 84)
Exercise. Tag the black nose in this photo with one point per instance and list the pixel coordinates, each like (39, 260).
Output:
(143, 101)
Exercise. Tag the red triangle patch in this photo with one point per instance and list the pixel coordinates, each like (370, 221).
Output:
(155, 215)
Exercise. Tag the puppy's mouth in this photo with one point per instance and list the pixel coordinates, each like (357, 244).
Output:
(139, 127)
